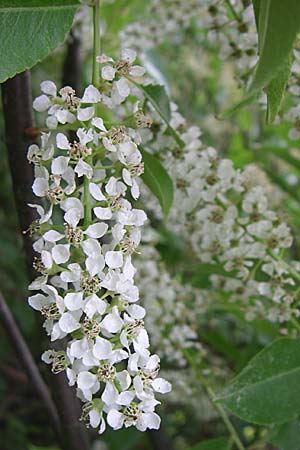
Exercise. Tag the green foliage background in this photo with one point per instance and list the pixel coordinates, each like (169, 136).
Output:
(203, 86)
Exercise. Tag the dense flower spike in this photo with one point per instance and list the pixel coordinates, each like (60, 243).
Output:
(225, 220)
(86, 235)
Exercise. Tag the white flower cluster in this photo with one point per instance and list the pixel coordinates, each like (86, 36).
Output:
(162, 18)
(173, 308)
(235, 33)
(86, 235)
(226, 221)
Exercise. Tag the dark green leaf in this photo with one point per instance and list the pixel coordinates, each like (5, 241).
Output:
(276, 89)
(221, 443)
(158, 181)
(268, 390)
(30, 30)
(256, 7)
(287, 436)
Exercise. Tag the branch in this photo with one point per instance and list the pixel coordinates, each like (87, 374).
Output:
(19, 134)
(19, 129)
(72, 64)
(28, 362)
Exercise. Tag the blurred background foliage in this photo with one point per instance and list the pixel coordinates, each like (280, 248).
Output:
(202, 85)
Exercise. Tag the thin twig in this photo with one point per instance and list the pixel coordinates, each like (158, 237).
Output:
(211, 394)
(28, 362)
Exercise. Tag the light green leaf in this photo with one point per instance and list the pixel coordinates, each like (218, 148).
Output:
(157, 95)
(246, 101)
(199, 273)
(158, 181)
(287, 436)
(279, 23)
(30, 30)
(267, 390)
(276, 89)
(221, 443)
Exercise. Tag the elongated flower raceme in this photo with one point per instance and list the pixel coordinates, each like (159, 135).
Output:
(86, 235)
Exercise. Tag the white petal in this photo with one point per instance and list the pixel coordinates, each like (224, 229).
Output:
(135, 190)
(40, 187)
(91, 95)
(68, 323)
(74, 301)
(85, 114)
(125, 398)
(148, 420)
(71, 275)
(128, 269)
(95, 192)
(161, 385)
(129, 54)
(51, 122)
(62, 142)
(142, 339)
(123, 87)
(47, 259)
(110, 394)
(72, 202)
(83, 168)
(42, 103)
(48, 87)
(84, 136)
(59, 165)
(112, 322)
(98, 123)
(91, 248)
(102, 349)
(38, 301)
(94, 304)
(103, 213)
(115, 419)
(108, 73)
(124, 379)
(114, 259)
(72, 217)
(137, 71)
(95, 418)
(86, 380)
(53, 236)
(127, 176)
(136, 311)
(61, 253)
(96, 230)
(95, 265)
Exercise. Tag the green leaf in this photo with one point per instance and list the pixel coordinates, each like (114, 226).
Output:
(199, 273)
(267, 390)
(279, 23)
(221, 443)
(30, 30)
(157, 95)
(276, 89)
(256, 7)
(248, 100)
(158, 181)
(287, 436)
